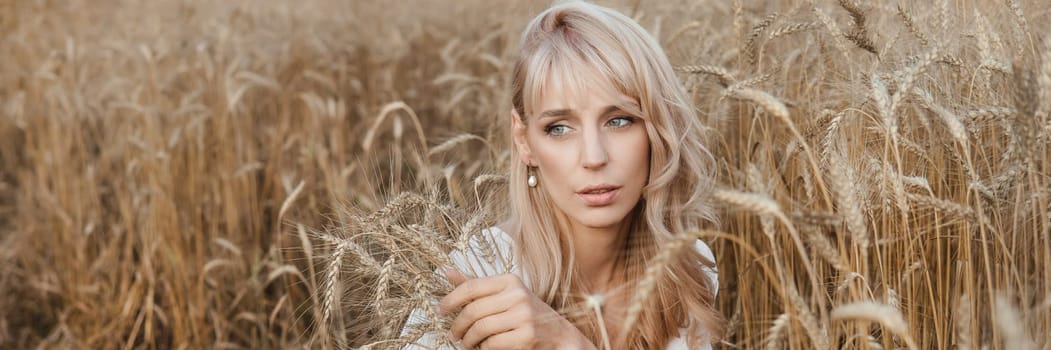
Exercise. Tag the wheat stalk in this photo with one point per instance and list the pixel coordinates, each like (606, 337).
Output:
(655, 271)
(724, 75)
(332, 283)
(790, 29)
(887, 316)
(776, 332)
(1011, 326)
(750, 46)
(859, 35)
(910, 23)
(844, 182)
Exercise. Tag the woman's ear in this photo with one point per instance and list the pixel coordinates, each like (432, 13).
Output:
(518, 132)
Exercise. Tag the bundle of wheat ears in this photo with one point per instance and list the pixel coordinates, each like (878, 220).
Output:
(180, 174)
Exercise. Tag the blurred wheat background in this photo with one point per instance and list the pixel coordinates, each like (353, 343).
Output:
(166, 166)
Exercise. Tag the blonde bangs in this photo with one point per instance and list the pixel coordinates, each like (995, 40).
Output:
(577, 59)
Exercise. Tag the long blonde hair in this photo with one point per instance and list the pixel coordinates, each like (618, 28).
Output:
(579, 43)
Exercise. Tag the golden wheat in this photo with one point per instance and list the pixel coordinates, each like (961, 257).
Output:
(180, 174)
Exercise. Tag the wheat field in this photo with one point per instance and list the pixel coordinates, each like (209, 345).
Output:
(270, 174)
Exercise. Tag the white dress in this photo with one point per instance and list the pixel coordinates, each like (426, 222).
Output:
(480, 262)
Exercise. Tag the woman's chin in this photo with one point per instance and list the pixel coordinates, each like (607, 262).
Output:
(596, 218)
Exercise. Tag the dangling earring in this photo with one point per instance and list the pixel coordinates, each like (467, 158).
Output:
(531, 180)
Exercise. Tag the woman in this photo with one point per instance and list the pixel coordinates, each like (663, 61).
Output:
(608, 163)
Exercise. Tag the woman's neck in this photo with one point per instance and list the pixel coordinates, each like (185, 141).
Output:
(596, 252)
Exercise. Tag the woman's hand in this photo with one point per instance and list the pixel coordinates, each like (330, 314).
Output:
(499, 312)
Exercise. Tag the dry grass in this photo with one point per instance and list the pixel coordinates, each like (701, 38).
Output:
(885, 167)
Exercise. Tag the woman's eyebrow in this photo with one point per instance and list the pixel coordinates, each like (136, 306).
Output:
(567, 112)
(556, 113)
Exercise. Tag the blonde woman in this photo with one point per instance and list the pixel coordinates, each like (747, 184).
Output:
(608, 163)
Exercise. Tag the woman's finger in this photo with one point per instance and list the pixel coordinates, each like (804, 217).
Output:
(454, 276)
(469, 291)
(489, 326)
(513, 339)
(477, 310)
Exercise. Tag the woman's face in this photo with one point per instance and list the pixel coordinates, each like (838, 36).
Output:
(592, 157)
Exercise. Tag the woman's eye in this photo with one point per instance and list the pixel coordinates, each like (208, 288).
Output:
(556, 130)
(620, 122)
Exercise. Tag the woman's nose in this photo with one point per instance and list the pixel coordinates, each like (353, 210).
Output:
(595, 154)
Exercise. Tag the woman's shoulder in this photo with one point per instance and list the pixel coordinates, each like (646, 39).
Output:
(702, 248)
(713, 273)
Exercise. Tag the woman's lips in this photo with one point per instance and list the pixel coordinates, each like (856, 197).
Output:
(598, 197)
